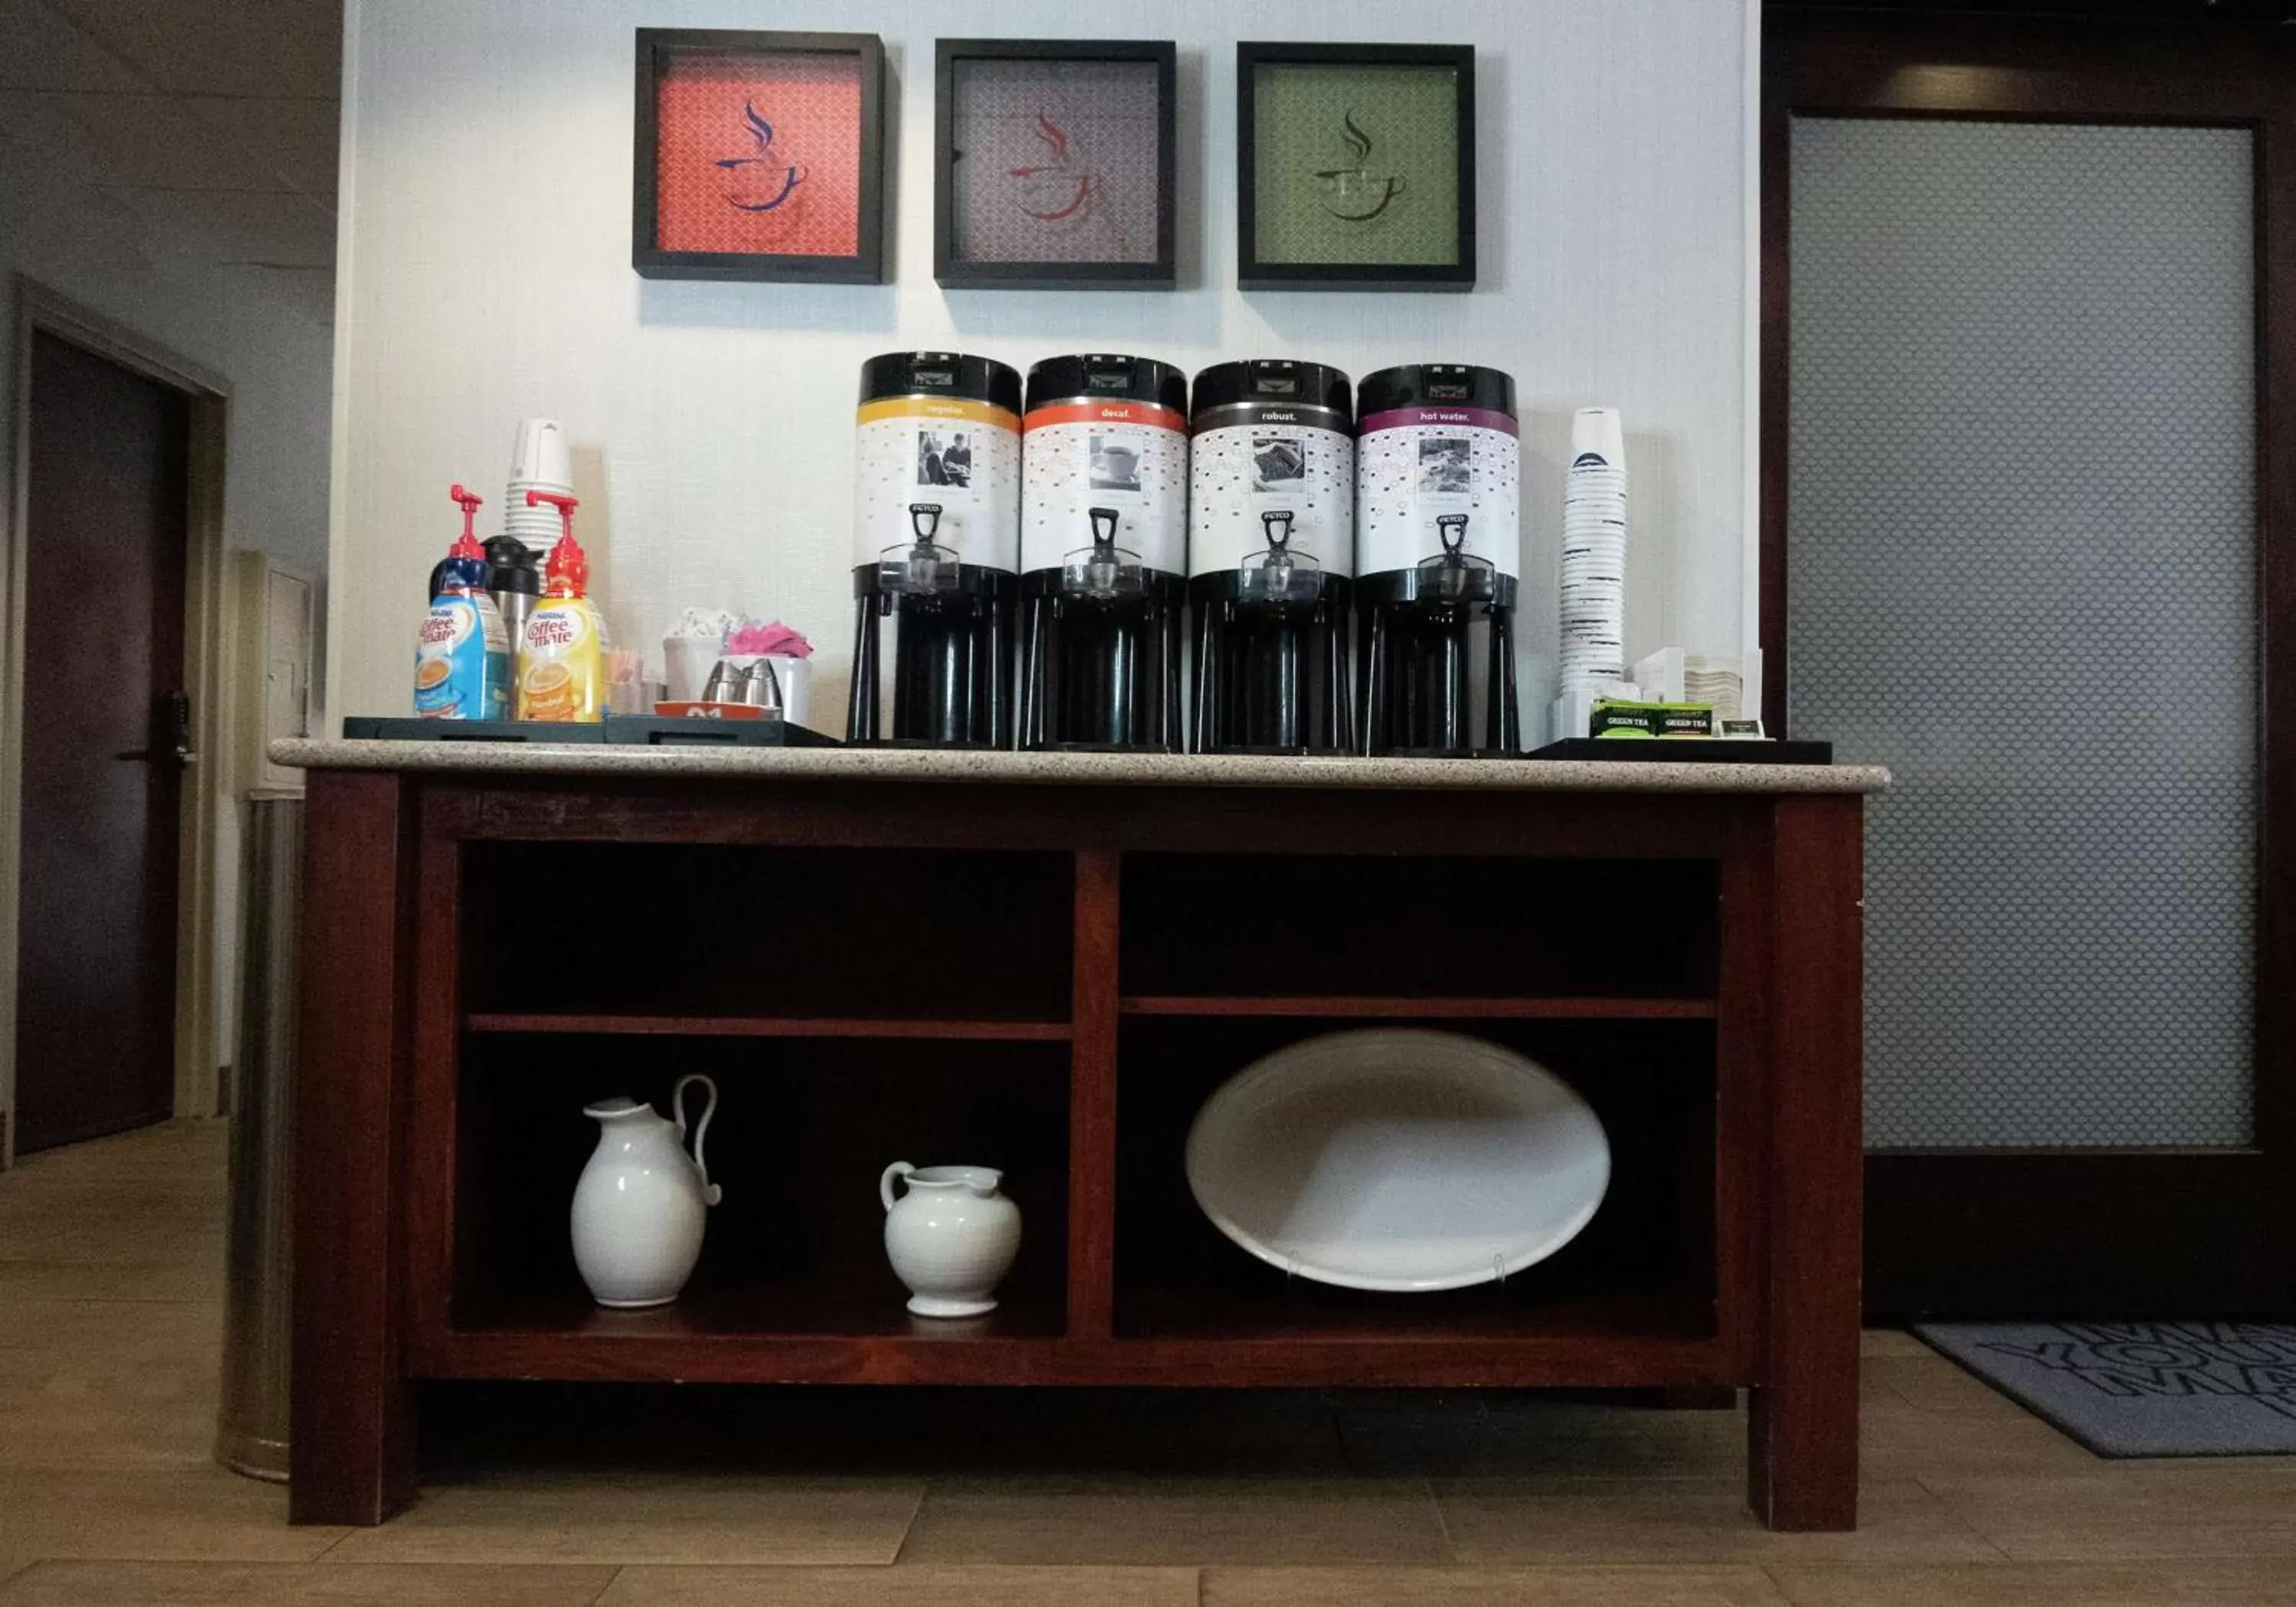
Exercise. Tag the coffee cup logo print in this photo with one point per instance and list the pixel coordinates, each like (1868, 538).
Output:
(1356, 192)
(762, 180)
(1059, 188)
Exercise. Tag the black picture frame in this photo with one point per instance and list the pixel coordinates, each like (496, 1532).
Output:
(657, 49)
(956, 273)
(1252, 274)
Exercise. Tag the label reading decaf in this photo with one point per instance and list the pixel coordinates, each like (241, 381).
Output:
(1131, 457)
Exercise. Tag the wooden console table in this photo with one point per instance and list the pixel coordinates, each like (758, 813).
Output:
(1044, 963)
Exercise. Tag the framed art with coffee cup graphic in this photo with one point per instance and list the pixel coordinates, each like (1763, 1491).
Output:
(759, 156)
(1053, 164)
(1355, 166)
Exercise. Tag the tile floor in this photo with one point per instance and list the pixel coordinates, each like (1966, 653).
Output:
(109, 1289)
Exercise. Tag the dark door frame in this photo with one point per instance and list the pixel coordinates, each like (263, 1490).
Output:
(41, 309)
(2102, 1232)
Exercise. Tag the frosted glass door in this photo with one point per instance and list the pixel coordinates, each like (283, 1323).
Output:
(2022, 546)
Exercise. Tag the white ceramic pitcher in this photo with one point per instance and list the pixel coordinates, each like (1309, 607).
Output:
(642, 1203)
(951, 1237)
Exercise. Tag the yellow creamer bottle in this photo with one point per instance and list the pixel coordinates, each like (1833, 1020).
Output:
(561, 654)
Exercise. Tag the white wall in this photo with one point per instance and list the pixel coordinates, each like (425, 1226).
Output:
(278, 361)
(487, 264)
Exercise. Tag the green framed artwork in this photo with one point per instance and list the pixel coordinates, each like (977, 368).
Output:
(1356, 167)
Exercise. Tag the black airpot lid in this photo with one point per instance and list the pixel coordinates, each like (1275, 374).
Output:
(1102, 376)
(1275, 381)
(511, 566)
(950, 374)
(1436, 385)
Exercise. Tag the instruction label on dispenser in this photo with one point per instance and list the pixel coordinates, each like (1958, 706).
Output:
(962, 457)
(1131, 457)
(1415, 466)
(1239, 475)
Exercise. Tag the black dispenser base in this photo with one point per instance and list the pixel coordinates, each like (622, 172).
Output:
(1271, 677)
(1418, 663)
(952, 676)
(1100, 674)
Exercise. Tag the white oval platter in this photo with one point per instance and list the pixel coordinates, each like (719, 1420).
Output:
(1400, 1159)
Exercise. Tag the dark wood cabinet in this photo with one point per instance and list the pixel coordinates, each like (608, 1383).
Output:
(1050, 977)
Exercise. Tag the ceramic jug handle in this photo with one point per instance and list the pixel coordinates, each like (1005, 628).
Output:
(709, 1190)
(899, 1169)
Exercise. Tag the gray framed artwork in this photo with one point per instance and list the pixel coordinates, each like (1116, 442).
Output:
(1053, 164)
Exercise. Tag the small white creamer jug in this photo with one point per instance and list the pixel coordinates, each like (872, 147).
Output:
(642, 1203)
(951, 1237)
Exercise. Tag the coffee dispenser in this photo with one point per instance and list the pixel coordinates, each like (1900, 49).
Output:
(937, 511)
(1437, 556)
(1271, 544)
(1103, 547)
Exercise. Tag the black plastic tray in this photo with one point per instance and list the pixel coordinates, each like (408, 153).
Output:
(1688, 750)
(648, 730)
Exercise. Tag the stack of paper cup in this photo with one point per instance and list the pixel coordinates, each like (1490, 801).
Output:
(539, 462)
(1593, 591)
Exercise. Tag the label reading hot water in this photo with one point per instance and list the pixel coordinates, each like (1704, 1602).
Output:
(1420, 471)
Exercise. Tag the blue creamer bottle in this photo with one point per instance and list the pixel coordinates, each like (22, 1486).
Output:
(462, 656)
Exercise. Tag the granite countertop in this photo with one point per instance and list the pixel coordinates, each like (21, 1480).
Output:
(1080, 769)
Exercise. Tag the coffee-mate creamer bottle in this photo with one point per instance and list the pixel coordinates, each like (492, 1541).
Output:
(461, 655)
(562, 655)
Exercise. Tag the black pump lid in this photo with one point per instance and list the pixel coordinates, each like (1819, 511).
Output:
(1274, 380)
(511, 566)
(950, 374)
(1106, 377)
(1436, 385)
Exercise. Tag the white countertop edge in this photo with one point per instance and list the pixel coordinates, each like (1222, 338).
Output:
(1086, 769)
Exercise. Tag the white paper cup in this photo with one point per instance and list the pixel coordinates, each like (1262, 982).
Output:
(539, 456)
(1599, 430)
(686, 662)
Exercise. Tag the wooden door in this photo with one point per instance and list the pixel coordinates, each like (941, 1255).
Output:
(104, 722)
(2141, 1169)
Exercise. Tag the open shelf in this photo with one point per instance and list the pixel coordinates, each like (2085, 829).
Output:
(1472, 935)
(737, 934)
(794, 1252)
(1359, 1007)
(735, 1025)
(1642, 1273)
(793, 1309)
(1298, 1310)
(764, 1333)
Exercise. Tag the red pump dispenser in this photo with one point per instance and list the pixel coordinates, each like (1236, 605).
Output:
(467, 545)
(566, 572)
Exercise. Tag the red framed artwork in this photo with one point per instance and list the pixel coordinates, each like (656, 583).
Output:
(759, 156)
